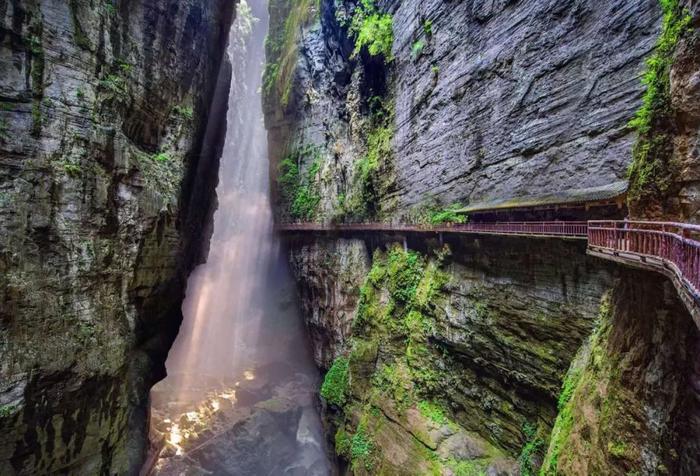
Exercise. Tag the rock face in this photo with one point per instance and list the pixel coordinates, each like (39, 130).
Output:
(461, 361)
(106, 175)
(493, 100)
(508, 321)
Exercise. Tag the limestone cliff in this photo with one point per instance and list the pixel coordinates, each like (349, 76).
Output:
(490, 355)
(106, 175)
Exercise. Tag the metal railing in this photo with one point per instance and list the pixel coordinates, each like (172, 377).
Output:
(673, 243)
(555, 228)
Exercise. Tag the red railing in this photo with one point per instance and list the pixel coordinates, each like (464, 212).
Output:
(673, 243)
(557, 228)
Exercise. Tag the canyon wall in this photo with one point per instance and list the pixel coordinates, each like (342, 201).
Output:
(106, 179)
(498, 355)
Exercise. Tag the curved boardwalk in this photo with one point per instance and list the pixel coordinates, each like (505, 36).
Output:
(666, 247)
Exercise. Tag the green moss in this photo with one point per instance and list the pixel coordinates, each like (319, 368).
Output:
(72, 169)
(7, 410)
(466, 467)
(650, 172)
(617, 448)
(300, 193)
(184, 112)
(115, 88)
(573, 383)
(343, 443)
(161, 157)
(432, 412)
(373, 169)
(373, 31)
(362, 448)
(335, 384)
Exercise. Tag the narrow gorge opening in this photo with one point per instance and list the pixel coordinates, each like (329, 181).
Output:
(241, 392)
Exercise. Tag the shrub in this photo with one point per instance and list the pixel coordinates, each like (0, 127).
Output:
(448, 215)
(335, 383)
(373, 30)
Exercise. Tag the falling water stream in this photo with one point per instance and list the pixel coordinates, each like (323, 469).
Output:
(240, 396)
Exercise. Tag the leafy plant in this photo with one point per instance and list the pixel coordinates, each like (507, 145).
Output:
(361, 448)
(115, 87)
(417, 49)
(428, 28)
(450, 214)
(534, 446)
(185, 112)
(432, 412)
(373, 30)
(649, 172)
(335, 383)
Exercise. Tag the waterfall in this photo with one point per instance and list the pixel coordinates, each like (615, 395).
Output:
(240, 393)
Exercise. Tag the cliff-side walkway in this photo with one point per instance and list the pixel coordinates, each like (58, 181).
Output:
(666, 247)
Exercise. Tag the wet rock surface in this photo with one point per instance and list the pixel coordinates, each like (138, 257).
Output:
(261, 424)
(102, 114)
(502, 100)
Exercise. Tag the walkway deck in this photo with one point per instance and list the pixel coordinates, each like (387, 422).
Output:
(668, 248)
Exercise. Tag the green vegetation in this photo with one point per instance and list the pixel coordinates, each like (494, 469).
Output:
(109, 7)
(448, 215)
(282, 50)
(184, 112)
(7, 410)
(573, 384)
(343, 443)
(466, 468)
(532, 450)
(79, 35)
(428, 28)
(335, 384)
(37, 74)
(432, 412)
(300, 193)
(373, 31)
(617, 449)
(72, 169)
(417, 49)
(161, 157)
(372, 171)
(650, 172)
(361, 448)
(115, 87)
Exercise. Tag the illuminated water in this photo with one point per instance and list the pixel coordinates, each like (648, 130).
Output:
(240, 393)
